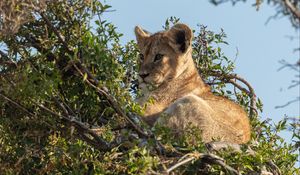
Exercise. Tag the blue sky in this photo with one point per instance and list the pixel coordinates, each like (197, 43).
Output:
(260, 46)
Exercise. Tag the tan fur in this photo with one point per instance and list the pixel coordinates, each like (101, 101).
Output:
(179, 93)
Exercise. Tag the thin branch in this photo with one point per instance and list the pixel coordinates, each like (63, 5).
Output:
(101, 144)
(183, 162)
(20, 106)
(292, 8)
(57, 33)
(230, 78)
(110, 98)
(288, 103)
(98, 142)
(274, 168)
(207, 158)
(4, 60)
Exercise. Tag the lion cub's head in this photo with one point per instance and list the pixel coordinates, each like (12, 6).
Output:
(164, 54)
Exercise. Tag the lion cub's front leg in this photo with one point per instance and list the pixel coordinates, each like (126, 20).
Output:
(189, 111)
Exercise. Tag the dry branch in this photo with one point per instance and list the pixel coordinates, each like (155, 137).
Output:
(295, 11)
(205, 158)
(84, 131)
(18, 105)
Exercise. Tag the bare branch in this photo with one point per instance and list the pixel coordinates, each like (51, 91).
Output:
(274, 168)
(207, 158)
(183, 162)
(288, 103)
(16, 104)
(231, 78)
(292, 8)
(97, 142)
(57, 33)
(4, 60)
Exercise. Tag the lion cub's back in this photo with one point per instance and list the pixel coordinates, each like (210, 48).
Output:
(216, 117)
(231, 114)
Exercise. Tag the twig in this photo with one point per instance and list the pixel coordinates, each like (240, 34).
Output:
(292, 8)
(4, 60)
(207, 158)
(183, 162)
(17, 104)
(57, 33)
(274, 168)
(230, 78)
(98, 142)
(288, 103)
(3, 55)
(20, 106)
(219, 161)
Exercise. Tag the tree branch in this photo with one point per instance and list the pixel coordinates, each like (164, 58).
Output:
(207, 158)
(4, 60)
(230, 78)
(292, 8)
(93, 82)
(18, 105)
(97, 141)
(100, 144)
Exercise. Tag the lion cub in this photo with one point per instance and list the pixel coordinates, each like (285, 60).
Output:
(168, 76)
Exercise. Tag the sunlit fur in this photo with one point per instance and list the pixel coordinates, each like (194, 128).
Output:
(181, 98)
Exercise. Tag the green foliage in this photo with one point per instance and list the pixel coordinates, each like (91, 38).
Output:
(36, 141)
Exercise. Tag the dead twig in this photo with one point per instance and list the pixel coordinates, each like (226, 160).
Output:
(206, 158)
(18, 105)
(292, 8)
(97, 141)
(183, 162)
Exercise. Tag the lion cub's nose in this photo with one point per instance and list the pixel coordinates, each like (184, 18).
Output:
(143, 75)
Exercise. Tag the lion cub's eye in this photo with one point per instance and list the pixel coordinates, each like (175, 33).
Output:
(141, 57)
(158, 57)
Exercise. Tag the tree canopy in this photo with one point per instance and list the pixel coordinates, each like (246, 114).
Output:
(67, 101)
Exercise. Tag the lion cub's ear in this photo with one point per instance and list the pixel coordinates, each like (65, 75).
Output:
(141, 36)
(180, 37)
